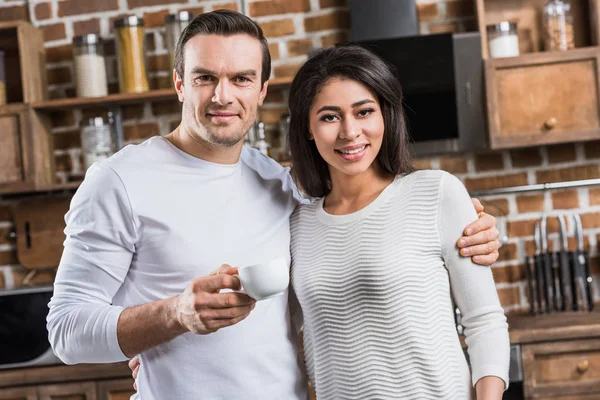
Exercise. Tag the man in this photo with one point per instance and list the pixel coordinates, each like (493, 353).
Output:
(151, 220)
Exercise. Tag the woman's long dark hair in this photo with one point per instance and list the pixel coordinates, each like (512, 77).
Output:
(351, 62)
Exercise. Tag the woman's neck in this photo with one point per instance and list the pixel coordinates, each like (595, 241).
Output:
(351, 193)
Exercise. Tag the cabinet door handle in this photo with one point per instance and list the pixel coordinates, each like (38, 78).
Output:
(583, 366)
(550, 123)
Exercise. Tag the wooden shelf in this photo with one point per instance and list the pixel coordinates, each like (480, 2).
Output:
(127, 98)
(30, 189)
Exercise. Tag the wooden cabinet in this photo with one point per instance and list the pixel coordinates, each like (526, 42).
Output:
(25, 161)
(544, 98)
(68, 391)
(121, 389)
(18, 394)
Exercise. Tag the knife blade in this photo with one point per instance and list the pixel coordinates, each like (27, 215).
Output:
(539, 270)
(530, 272)
(584, 277)
(547, 266)
(565, 265)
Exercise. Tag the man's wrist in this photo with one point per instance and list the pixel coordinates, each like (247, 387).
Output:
(171, 316)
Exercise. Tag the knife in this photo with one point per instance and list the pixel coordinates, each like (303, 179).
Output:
(565, 266)
(530, 271)
(582, 263)
(551, 297)
(539, 270)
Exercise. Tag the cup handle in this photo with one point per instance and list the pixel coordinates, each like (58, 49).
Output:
(242, 287)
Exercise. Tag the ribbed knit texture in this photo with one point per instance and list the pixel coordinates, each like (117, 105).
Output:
(375, 295)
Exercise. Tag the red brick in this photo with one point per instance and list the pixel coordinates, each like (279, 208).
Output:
(569, 174)
(489, 161)
(334, 38)
(337, 20)
(333, 3)
(58, 75)
(590, 220)
(422, 163)
(525, 227)
(54, 32)
(594, 194)
(565, 199)
(530, 203)
(67, 140)
(299, 47)
(274, 50)
(155, 19)
(42, 11)
(427, 11)
(496, 181)
(278, 28)
(226, 6)
(460, 8)
(509, 274)
(14, 13)
(561, 153)
(86, 27)
(59, 53)
(592, 149)
(454, 164)
(272, 7)
(166, 107)
(195, 10)
(508, 252)
(140, 131)
(76, 7)
(286, 70)
(496, 207)
(509, 296)
(528, 157)
(144, 3)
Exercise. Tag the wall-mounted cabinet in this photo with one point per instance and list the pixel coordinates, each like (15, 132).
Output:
(542, 97)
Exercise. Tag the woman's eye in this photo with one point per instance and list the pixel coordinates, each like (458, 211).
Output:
(328, 118)
(365, 112)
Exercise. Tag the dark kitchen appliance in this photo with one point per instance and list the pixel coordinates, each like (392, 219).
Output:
(23, 334)
(443, 84)
(381, 19)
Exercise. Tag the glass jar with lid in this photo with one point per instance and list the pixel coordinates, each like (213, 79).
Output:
(175, 24)
(559, 33)
(97, 139)
(503, 40)
(131, 53)
(89, 65)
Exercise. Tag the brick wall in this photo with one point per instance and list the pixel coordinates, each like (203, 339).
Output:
(293, 27)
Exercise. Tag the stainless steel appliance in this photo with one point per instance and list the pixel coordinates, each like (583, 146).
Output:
(23, 334)
(443, 82)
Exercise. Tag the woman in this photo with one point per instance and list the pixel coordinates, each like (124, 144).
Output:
(373, 256)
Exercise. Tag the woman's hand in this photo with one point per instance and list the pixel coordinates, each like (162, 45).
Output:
(134, 366)
(481, 238)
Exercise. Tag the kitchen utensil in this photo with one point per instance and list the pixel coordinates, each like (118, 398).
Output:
(551, 296)
(530, 272)
(582, 265)
(565, 266)
(542, 295)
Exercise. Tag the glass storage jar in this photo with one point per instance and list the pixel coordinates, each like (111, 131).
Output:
(559, 33)
(89, 65)
(97, 140)
(129, 36)
(503, 40)
(174, 24)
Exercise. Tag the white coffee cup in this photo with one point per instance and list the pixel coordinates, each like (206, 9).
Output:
(265, 280)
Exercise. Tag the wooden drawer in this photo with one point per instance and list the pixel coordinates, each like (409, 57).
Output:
(544, 98)
(567, 368)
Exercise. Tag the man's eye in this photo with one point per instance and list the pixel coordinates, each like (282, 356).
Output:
(204, 78)
(242, 79)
